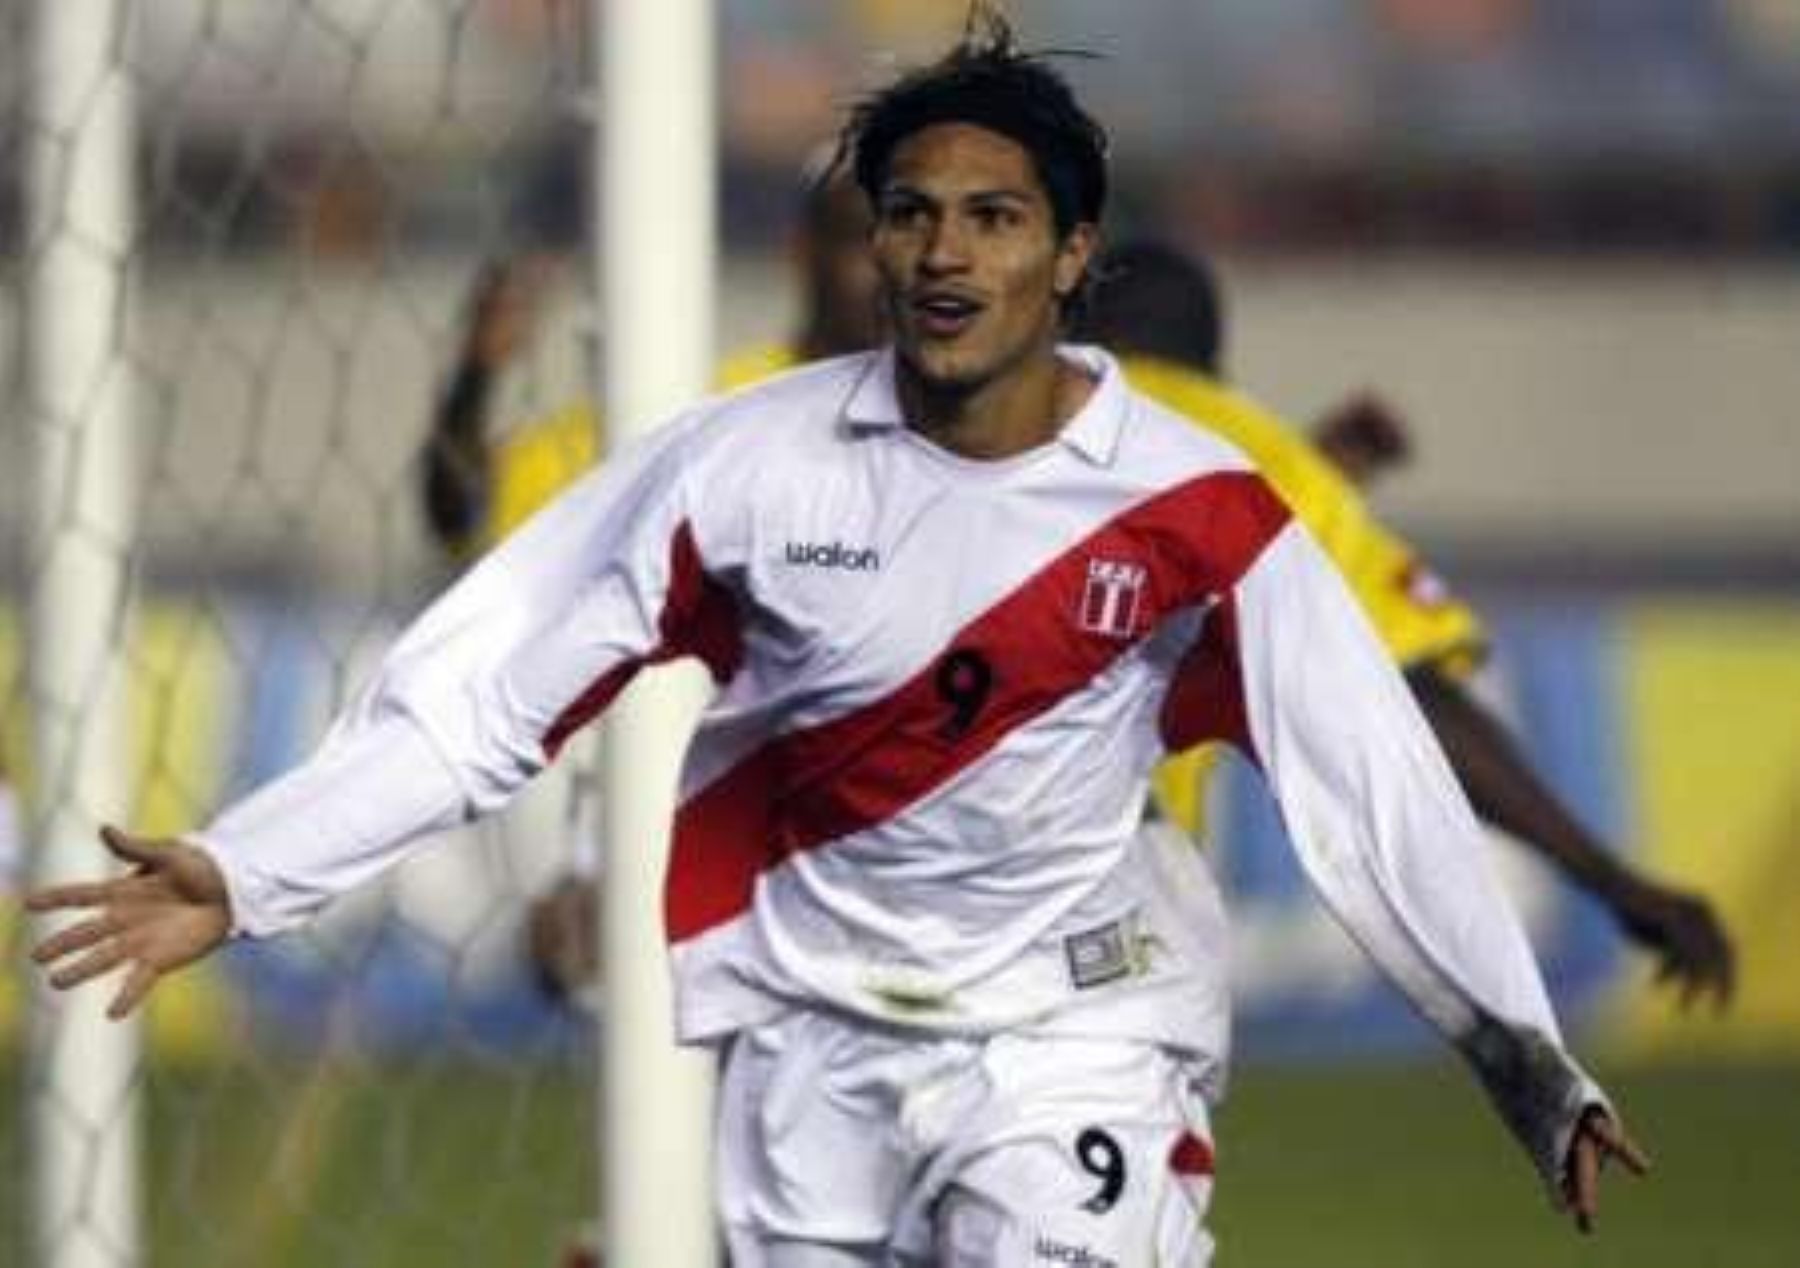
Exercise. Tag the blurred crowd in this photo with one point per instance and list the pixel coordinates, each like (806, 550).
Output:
(1663, 125)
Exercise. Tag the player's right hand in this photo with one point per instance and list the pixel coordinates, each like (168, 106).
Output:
(170, 910)
(1680, 929)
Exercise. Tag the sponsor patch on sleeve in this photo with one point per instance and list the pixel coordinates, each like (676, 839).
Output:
(1099, 955)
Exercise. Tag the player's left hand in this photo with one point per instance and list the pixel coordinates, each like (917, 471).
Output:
(1598, 1138)
(171, 909)
(1692, 948)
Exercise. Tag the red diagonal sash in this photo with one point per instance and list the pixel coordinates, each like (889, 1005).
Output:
(1014, 662)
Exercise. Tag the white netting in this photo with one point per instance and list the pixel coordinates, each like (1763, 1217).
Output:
(315, 185)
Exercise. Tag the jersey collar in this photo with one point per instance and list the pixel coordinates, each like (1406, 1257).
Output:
(874, 403)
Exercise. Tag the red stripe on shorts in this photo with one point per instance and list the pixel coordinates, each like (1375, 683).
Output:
(1191, 1156)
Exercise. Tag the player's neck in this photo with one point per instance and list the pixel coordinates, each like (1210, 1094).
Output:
(1017, 410)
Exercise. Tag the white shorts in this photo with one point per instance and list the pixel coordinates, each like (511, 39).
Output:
(845, 1144)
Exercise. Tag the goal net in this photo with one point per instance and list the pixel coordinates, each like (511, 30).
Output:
(240, 240)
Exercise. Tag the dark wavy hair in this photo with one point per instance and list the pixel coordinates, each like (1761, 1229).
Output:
(989, 81)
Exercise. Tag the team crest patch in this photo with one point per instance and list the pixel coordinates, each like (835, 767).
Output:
(1112, 598)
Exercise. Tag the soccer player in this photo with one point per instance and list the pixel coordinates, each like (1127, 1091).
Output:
(1159, 310)
(479, 486)
(959, 596)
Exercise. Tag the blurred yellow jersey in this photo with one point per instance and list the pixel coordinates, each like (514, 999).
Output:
(1415, 615)
(537, 461)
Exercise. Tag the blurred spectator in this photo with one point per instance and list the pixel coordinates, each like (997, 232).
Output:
(481, 482)
(1578, 119)
(1454, 29)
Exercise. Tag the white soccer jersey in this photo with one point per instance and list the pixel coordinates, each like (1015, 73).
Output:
(943, 684)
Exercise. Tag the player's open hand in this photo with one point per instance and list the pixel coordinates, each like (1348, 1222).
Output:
(168, 911)
(1598, 1139)
(1692, 948)
(562, 937)
(1364, 437)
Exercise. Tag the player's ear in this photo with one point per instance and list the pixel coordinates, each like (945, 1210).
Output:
(1073, 255)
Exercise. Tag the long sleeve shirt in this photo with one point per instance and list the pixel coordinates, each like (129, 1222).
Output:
(942, 686)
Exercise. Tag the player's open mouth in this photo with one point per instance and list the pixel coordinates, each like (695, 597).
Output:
(944, 316)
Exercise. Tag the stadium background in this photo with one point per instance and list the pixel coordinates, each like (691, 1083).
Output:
(1563, 236)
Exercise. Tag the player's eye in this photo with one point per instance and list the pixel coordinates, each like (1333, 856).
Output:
(990, 217)
(901, 212)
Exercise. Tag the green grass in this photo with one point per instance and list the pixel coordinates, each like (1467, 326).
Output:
(456, 1164)
(370, 1167)
(1391, 1168)
(280, 1165)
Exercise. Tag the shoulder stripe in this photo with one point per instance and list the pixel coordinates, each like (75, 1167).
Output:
(699, 618)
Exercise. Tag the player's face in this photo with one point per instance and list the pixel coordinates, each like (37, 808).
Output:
(971, 265)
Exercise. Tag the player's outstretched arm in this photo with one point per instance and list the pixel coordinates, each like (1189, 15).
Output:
(168, 911)
(1679, 928)
(1391, 844)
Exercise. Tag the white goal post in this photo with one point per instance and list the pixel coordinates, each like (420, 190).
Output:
(82, 1069)
(656, 257)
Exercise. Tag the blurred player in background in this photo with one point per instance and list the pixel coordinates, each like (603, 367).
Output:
(1160, 310)
(970, 1011)
(481, 482)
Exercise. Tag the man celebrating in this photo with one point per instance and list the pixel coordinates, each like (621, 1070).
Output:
(959, 596)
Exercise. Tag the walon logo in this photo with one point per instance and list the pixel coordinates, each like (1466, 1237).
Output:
(833, 555)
